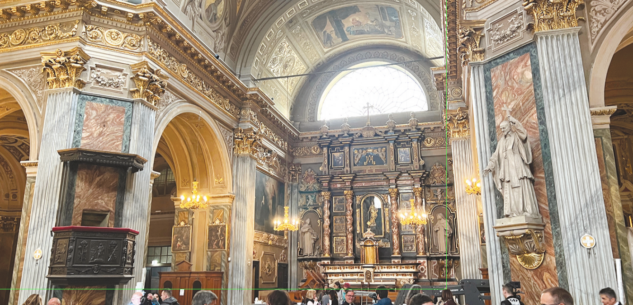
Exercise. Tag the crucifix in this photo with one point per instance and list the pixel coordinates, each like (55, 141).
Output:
(507, 110)
(369, 106)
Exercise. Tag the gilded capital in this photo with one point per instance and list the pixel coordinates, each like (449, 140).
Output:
(457, 123)
(326, 196)
(393, 192)
(417, 192)
(247, 141)
(469, 44)
(150, 83)
(349, 195)
(553, 15)
(63, 68)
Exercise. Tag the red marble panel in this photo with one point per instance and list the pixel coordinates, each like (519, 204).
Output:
(81, 295)
(512, 87)
(608, 205)
(103, 127)
(95, 190)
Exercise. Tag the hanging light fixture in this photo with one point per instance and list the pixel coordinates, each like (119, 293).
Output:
(414, 217)
(194, 201)
(286, 224)
(473, 187)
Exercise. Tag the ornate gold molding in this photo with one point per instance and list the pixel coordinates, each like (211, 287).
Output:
(457, 123)
(51, 32)
(294, 172)
(247, 142)
(63, 68)
(603, 111)
(527, 247)
(469, 44)
(150, 84)
(303, 151)
(553, 15)
(113, 37)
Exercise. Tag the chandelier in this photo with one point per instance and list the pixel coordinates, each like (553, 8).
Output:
(194, 201)
(413, 217)
(473, 187)
(286, 224)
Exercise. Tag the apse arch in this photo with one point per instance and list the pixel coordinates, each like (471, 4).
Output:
(196, 146)
(26, 100)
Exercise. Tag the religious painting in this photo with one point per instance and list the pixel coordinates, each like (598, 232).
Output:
(370, 156)
(340, 245)
(372, 215)
(408, 243)
(404, 155)
(217, 237)
(214, 9)
(269, 202)
(268, 268)
(357, 21)
(338, 204)
(183, 218)
(181, 239)
(339, 224)
(338, 160)
(218, 216)
(310, 233)
(309, 182)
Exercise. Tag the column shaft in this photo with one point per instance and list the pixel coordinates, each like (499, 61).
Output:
(349, 200)
(326, 223)
(242, 231)
(421, 245)
(395, 227)
(467, 218)
(578, 189)
(293, 239)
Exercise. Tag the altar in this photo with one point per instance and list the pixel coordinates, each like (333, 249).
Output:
(390, 275)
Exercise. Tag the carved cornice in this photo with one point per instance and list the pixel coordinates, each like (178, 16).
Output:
(38, 35)
(439, 77)
(150, 84)
(112, 37)
(469, 44)
(302, 151)
(457, 123)
(553, 15)
(247, 142)
(63, 68)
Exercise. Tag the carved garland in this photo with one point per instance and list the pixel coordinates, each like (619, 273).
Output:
(64, 68)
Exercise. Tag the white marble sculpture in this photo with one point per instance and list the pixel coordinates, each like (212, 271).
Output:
(442, 230)
(510, 168)
(308, 238)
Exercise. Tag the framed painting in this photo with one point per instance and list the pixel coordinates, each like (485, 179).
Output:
(181, 239)
(269, 202)
(404, 155)
(338, 205)
(217, 237)
(408, 243)
(338, 160)
(339, 245)
(339, 224)
(370, 156)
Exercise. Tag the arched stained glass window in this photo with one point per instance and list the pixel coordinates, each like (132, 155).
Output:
(382, 89)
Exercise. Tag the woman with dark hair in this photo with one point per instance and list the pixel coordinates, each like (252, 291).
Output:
(333, 298)
(278, 297)
(447, 297)
(33, 299)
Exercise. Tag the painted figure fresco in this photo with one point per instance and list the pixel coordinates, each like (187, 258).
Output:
(181, 239)
(357, 21)
(338, 159)
(214, 10)
(404, 155)
(269, 202)
(217, 237)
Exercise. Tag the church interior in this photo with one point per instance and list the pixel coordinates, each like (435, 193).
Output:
(245, 146)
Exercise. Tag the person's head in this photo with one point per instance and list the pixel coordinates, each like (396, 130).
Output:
(556, 296)
(278, 297)
(421, 299)
(310, 294)
(447, 295)
(33, 299)
(607, 296)
(156, 296)
(505, 127)
(150, 296)
(136, 298)
(346, 285)
(382, 292)
(349, 296)
(507, 290)
(337, 284)
(204, 297)
(166, 294)
(54, 301)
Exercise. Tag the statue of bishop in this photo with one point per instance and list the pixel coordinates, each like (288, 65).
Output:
(510, 168)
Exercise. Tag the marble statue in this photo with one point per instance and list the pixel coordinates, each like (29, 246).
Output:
(441, 231)
(510, 168)
(308, 238)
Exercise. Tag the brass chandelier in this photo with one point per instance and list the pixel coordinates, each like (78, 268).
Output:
(413, 217)
(473, 187)
(194, 201)
(286, 224)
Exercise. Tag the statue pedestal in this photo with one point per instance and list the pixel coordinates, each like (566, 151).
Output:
(524, 238)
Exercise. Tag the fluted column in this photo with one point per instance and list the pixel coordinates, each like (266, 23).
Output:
(579, 195)
(349, 214)
(467, 218)
(326, 223)
(242, 222)
(495, 256)
(421, 245)
(31, 174)
(395, 228)
(293, 238)
(61, 107)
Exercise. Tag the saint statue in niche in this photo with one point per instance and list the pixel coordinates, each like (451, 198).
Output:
(308, 238)
(510, 168)
(373, 213)
(442, 231)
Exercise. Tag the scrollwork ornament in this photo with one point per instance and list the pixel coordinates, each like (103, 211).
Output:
(23, 37)
(112, 37)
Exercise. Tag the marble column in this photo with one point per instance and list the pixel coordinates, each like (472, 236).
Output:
(419, 238)
(498, 263)
(57, 133)
(467, 218)
(326, 223)
(31, 174)
(242, 222)
(579, 197)
(395, 227)
(293, 238)
(349, 215)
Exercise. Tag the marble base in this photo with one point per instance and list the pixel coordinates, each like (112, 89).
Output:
(518, 225)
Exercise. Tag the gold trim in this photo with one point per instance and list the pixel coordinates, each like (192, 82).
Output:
(553, 15)
(44, 44)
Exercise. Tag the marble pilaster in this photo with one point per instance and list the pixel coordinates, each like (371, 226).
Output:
(467, 218)
(395, 228)
(580, 204)
(293, 238)
(349, 212)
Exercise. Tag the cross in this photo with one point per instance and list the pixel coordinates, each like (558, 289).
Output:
(588, 242)
(507, 109)
(369, 106)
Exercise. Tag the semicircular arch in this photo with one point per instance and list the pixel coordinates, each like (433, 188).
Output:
(26, 100)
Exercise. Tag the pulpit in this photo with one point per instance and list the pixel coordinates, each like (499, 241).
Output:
(369, 249)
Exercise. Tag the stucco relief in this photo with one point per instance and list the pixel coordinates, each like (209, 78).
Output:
(227, 136)
(285, 61)
(506, 29)
(35, 79)
(306, 46)
(600, 13)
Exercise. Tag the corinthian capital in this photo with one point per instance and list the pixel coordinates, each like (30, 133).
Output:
(469, 44)
(150, 83)
(63, 68)
(457, 123)
(247, 142)
(553, 15)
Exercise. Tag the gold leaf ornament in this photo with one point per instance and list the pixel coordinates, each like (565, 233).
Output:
(63, 68)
